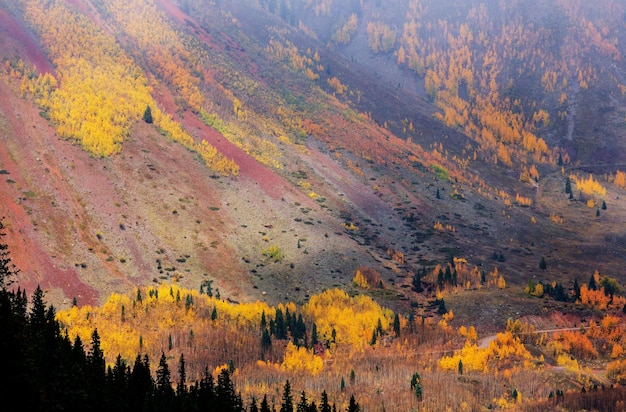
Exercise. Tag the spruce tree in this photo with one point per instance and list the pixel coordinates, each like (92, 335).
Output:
(287, 404)
(147, 115)
(182, 376)
(266, 341)
(265, 407)
(441, 310)
(253, 405)
(163, 378)
(314, 337)
(396, 325)
(303, 404)
(280, 329)
(417, 282)
(576, 290)
(140, 384)
(324, 405)
(353, 406)
(206, 392)
(592, 282)
(227, 398)
(7, 269)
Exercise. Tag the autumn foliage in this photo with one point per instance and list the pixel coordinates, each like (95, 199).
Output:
(99, 91)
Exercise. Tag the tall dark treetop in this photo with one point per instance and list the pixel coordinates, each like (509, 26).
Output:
(7, 269)
(147, 115)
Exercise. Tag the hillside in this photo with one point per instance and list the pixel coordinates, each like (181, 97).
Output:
(337, 146)
(457, 163)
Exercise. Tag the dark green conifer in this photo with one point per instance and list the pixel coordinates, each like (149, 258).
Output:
(147, 115)
(353, 406)
(287, 404)
(324, 405)
(303, 404)
(265, 407)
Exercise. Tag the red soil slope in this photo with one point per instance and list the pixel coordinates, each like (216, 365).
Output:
(10, 29)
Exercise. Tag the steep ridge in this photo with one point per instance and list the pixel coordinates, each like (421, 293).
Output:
(336, 181)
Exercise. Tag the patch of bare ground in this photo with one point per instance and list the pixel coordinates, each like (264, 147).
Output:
(30, 207)
(84, 227)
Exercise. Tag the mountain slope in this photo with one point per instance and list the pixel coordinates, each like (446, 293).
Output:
(272, 138)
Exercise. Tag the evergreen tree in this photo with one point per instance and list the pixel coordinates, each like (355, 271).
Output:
(95, 362)
(7, 269)
(299, 332)
(417, 390)
(448, 275)
(603, 205)
(206, 391)
(214, 313)
(163, 379)
(280, 330)
(576, 290)
(592, 283)
(303, 404)
(374, 337)
(441, 310)
(568, 185)
(265, 407)
(415, 380)
(287, 404)
(253, 405)
(227, 398)
(440, 278)
(147, 115)
(542, 263)
(140, 384)
(353, 405)
(182, 376)
(324, 405)
(417, 282)
(460, 367)
(266, 341)
(416, 386)
(396, 325)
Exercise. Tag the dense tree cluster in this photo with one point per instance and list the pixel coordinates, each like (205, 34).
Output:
(52, 372)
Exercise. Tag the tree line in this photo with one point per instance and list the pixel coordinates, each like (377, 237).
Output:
(39, 361)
